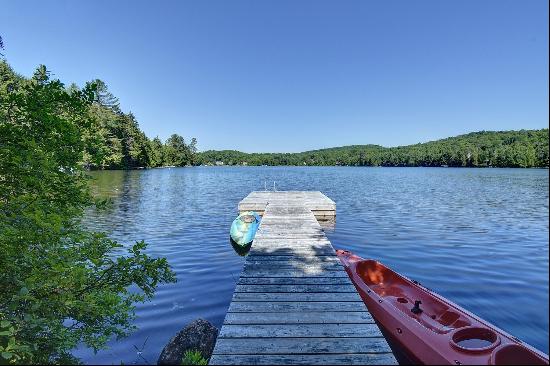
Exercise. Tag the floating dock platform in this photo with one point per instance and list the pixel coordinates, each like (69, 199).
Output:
(294, 303)
(322, 207)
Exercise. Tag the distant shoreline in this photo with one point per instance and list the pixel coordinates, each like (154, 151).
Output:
(318, 166)
(484, 149)
(499, 149)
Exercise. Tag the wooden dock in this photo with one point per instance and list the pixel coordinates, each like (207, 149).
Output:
(294, 303)
(321, 206)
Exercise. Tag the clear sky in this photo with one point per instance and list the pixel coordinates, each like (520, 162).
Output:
(297, 75)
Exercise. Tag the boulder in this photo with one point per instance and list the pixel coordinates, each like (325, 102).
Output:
(199, 335)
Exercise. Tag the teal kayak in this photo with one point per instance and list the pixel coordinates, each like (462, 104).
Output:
(244, 227)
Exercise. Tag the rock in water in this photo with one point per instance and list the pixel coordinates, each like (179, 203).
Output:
(199, 335)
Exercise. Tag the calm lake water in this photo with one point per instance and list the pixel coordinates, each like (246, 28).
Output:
(477, 236)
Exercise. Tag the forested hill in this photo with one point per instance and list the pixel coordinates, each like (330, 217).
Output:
(524, 148)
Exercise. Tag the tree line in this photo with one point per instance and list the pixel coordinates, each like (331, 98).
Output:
(522, 149)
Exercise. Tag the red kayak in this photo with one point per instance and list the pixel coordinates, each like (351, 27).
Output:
(425, 328)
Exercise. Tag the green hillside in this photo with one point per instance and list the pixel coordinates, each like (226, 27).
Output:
(524, 148)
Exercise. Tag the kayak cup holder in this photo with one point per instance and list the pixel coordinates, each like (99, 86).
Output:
(514, 354)
(474, 339)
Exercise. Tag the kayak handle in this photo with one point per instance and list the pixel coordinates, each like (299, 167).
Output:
(416, 309)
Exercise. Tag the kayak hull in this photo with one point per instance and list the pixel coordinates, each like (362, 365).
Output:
(434, 331)
(242, 232)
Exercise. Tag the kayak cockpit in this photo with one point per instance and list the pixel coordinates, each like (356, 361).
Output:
(247, 218)
(411, 300)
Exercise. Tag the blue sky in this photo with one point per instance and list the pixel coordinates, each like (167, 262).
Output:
(297, 75)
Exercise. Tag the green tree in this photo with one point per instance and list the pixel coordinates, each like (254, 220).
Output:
(176, 151)
(193, 151)
(157, 152)
(60, 285)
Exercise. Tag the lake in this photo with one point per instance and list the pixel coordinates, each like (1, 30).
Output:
(477, 236)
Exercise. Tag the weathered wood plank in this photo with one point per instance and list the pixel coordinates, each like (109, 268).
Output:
(262, 244)
(275, 249)
(291, 252)
(265, 245)
(291, 225)
(303, 297)
(294, 281)
(324, 359)
(368, 330)
(296, 288)
(287, 306)
(291, 243)
(295, 258)
(293, 262)
(291, 229)
(296, 265)
(290, 272)
(297, 235)
(322, 240)
(300, 345)
(305, 252)
(321, 317)
(287, 222)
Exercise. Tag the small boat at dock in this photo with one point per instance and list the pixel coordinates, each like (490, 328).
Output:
(244, 227)
(423, 327)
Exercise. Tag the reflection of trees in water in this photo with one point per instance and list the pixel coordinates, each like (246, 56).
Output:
(123, 189)
(107, 184)
(159, 199)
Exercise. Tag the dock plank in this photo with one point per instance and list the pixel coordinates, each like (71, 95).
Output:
(294, 281)
(321, 317)
(297, 359)
(296, 288)
(291, 306)
(300, 297)
(290, 272)
(292, 263)
(301, 345)
(366, 330)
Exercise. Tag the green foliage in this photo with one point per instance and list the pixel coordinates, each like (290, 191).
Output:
(156, 149)
(193, 358)
(522, 149)
(115, 140)
(61, 285)
(176, 151)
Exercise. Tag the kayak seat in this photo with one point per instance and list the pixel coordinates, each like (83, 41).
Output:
(389, 285)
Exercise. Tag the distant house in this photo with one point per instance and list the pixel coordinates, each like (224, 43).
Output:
(244, 163)
(218, 163)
